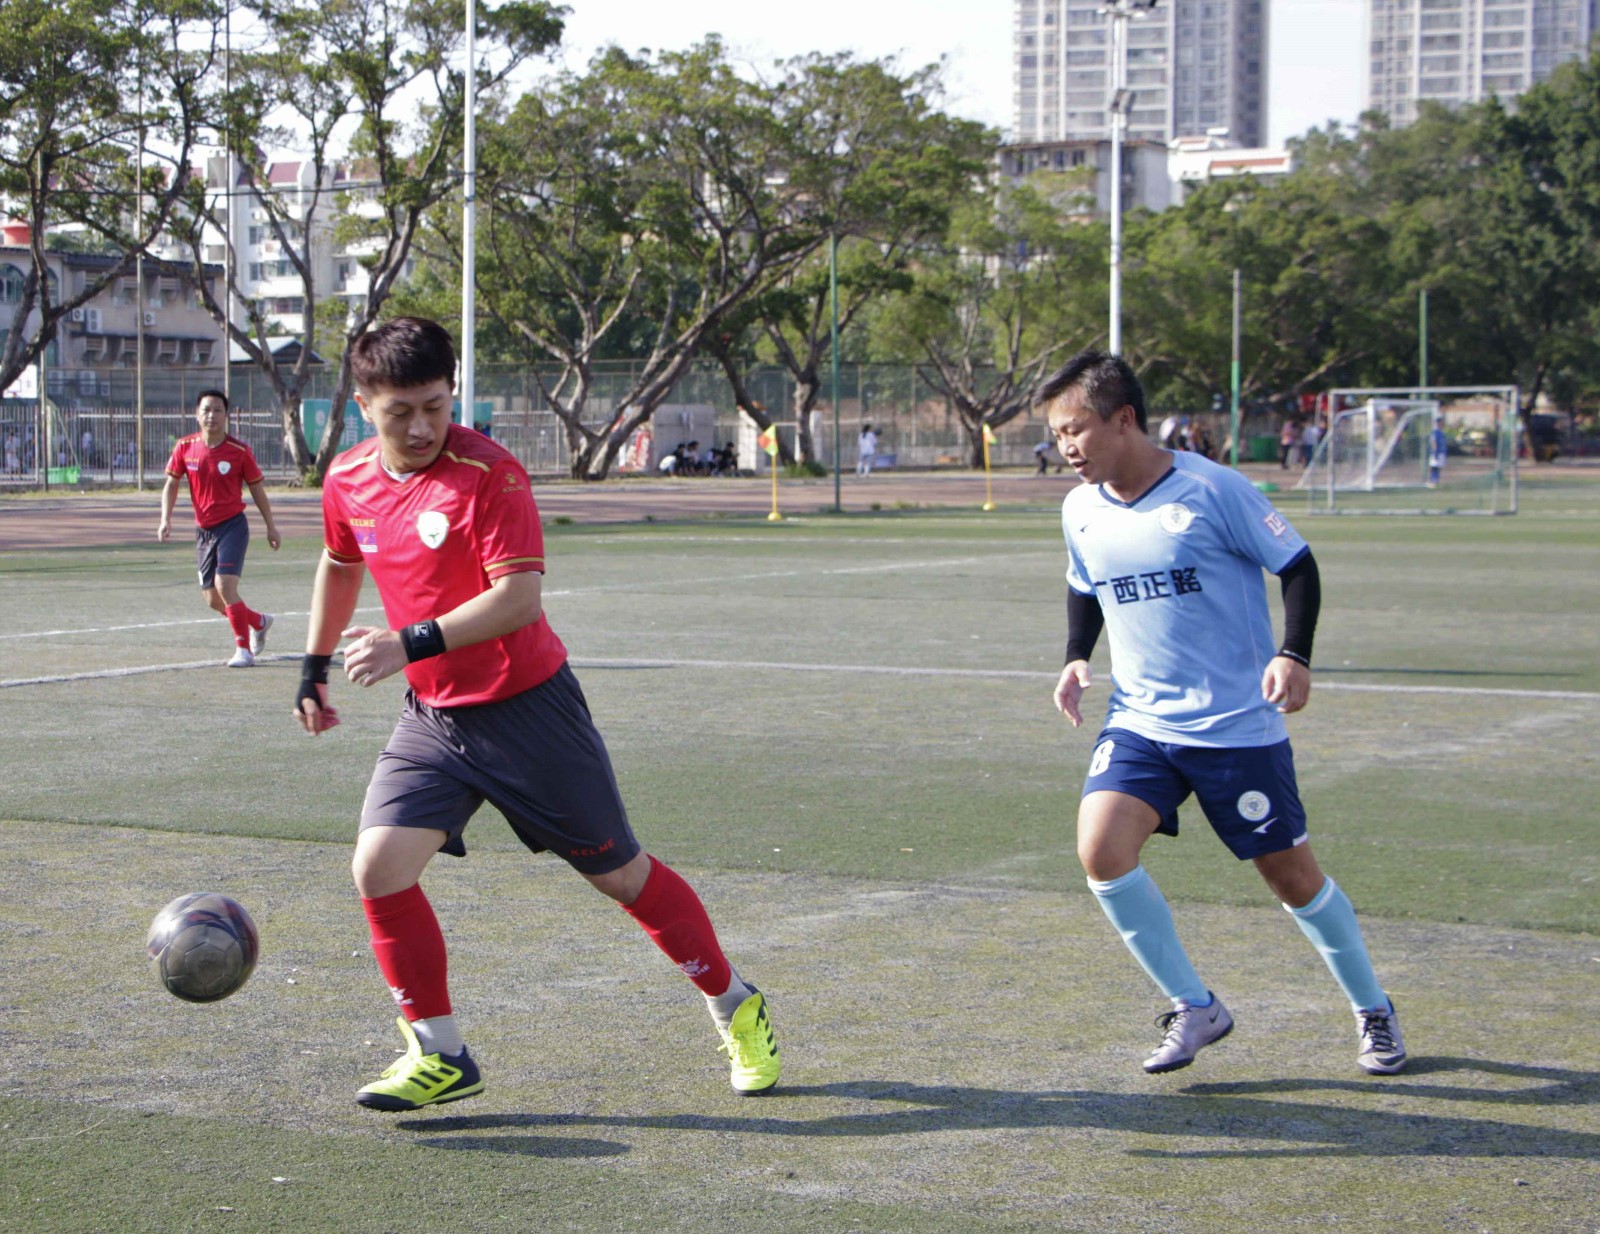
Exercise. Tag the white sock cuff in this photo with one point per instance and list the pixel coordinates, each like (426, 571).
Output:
(1318, 901)
(1132, 878)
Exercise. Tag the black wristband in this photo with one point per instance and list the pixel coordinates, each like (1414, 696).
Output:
(315, 669)
(422, 639)
(1295, 656)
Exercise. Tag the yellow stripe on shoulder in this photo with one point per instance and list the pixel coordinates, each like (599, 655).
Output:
(470, 462)
(352, 463)
(513, 561)
(339, 558)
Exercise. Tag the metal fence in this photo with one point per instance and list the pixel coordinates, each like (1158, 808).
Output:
(94, 425)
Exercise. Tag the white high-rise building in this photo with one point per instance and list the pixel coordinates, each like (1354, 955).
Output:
(1463, 51)
(1194, 66)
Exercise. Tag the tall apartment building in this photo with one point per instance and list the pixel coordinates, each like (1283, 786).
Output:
(1462, 51)
(1193, 66)
(263, 271)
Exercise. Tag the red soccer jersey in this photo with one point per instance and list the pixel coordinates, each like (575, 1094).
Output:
(434, 541)
(217, 475)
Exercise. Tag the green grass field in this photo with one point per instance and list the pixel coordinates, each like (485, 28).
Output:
(839, 729)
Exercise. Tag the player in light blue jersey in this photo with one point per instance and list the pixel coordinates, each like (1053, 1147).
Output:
(1165, 553)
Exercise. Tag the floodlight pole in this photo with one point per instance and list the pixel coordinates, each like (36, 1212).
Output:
(1238, 297)
(469, 218)
(833, 300)
(1120, 13)
(138, 298)
(1119, 32)
(1422, 338)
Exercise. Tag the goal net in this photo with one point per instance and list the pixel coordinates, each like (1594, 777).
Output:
(1438, 450)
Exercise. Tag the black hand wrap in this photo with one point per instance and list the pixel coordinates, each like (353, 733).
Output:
(313, 673)
(422, 639)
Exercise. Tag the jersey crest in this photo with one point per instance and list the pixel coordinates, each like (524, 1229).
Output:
(1175, 518)
(432, 527)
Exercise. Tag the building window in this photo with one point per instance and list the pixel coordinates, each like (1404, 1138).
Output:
(11, 281)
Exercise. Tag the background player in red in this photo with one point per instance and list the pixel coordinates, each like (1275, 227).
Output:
(218, 467)
(444, 519)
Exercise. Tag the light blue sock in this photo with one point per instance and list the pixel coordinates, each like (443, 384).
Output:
(1135, 905)
(1330, 923)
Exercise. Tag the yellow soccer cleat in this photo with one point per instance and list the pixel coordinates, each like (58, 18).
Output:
(751, 1048)
(416, 1079)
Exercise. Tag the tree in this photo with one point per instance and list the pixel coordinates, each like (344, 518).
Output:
(1317, 305)
(642, 197)
(84, 84)
(880, 167)
(1014, 287)
(329, 62)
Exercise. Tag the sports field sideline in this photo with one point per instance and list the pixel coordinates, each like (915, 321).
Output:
(839, 728)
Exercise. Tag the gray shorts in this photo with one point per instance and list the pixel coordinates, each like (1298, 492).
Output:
(220, 549)
(536, 757)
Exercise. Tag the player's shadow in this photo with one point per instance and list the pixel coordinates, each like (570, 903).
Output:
(553, 1147)
(1251, 1125)
(1556, 1086)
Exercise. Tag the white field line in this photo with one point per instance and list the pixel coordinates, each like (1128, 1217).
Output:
(877, 568)
(882, 670)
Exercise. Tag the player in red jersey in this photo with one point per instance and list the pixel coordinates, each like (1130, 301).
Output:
(444, 520)
(218, 467)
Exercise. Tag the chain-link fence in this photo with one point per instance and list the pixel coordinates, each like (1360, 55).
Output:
(94, 430)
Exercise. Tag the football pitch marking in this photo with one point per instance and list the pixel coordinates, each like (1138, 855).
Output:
(778, 666)
(877, 568)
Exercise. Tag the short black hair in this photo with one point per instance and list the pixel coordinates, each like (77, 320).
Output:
(1106, 382)
(205, 394)
(403, 353)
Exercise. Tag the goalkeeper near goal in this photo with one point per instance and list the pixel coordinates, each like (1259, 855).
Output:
(1165, 550)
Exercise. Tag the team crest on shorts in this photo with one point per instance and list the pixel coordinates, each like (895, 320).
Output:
(432, 527)
(1174, 518)
(224, 467)
(1254, 806)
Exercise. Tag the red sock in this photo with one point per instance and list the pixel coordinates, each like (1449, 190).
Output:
(672, 915)
(238, 614)
(409, 946)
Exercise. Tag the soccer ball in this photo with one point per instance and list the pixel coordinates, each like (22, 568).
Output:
(203, 946)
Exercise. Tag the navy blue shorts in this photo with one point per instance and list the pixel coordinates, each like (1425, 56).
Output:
(220, 549)
(536, 757)
(1248, 793)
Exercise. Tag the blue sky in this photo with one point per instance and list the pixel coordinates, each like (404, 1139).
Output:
(1314, 62)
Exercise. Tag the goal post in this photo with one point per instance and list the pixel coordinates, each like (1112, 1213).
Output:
(1416, 450)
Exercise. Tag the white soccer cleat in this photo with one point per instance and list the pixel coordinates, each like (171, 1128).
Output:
(1383, 1050)
(1188, 1031)
(242, 658)
(258, 638)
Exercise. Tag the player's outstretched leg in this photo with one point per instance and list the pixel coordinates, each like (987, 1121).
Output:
(1134, 904)
(1186, 1030)
(409, 947)
(258, 633)
(669, 911)
(416, 1079)
(1329, 921)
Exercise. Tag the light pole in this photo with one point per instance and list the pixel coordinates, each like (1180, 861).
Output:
(469, 219)
(1120, 12)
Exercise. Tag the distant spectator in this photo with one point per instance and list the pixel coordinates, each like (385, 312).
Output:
(1438, 447)
(1309, 437)
(867, 450)
(1287, 437)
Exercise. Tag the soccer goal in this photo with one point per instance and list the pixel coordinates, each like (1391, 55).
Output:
(1433, 450)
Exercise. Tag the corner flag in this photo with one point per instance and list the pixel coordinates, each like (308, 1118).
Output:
(768, 441)
(988, 435)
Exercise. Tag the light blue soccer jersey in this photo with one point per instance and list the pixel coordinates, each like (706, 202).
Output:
(1179, 577)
